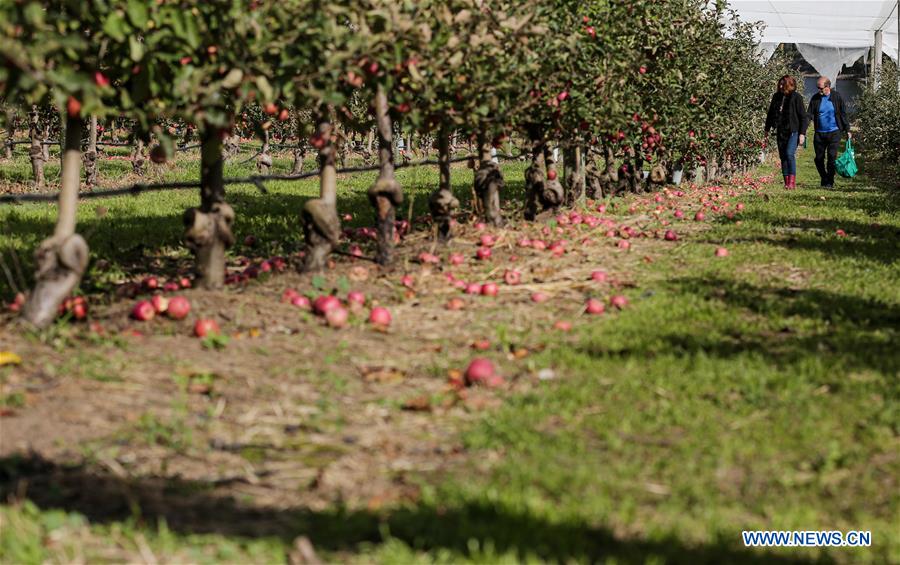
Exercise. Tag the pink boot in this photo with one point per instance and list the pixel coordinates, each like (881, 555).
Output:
(792, 179)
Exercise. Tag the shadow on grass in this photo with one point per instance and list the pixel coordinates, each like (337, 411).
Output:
(192, 508)
(860, 332)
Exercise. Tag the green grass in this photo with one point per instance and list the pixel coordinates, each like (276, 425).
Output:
(759, 391)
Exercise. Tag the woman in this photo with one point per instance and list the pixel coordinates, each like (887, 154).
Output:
(787, 115)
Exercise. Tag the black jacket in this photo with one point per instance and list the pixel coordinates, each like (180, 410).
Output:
(789, 117)
(840, 115)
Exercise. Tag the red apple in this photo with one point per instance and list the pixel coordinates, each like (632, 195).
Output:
(487, 240)
(539, 297)
(158, 154)
(407, 281)
(324, 303)
(301, 302)
(271, 109)
(671, 235)
(481, 344)
(562, 325)
(455, 303)
(179, 308)
(143, 311)
(699, 217)
(551, 174)
(618, 301)
(151, 283)
(594, 306)
(160, 303)
(479, 371)
(380, 316)
(184, 282)
(100, 79)
(473, 288)
(483, 253)
(288, 295)
(457, 259)
(354, 297)
(489, 289)
(598, 276)
(73, 107)
(337, 317)
(512, 277)
(205, 326)
(721, 252)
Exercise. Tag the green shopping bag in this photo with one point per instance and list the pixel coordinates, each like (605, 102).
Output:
(845, 165)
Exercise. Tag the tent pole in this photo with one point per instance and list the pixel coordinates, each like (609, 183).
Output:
(876, 60)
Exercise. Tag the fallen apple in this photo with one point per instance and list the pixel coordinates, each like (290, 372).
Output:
(479, 371)
(489, 289)
(380, 316)
(179, 308)
(302, 302)
(160, 303)
(512, 277)
(618, 301)
(455, 303)
(539, 297)
(205, 327)
(337, 317)
(594, 306)
(143, 311)
(322, 304)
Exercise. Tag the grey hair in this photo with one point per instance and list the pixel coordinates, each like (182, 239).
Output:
(827, 82)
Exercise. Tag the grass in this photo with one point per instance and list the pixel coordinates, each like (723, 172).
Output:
(758, 391)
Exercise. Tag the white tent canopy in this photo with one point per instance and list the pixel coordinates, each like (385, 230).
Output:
(828, 34)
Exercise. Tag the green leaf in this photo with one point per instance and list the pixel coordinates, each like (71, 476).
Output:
(233, 78)
(319, 282)
(137, 12)
(136, 48)
(265, 89)
(115, 26)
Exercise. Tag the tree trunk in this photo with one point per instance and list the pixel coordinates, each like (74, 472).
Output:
(90, 156)
(10, 135)
(488, 184)
(575, 177)
(299, 154)
(299, 150)
(321, 225)
(62, 258)
(138, 157)
(208, 228)
(36, 150)
(442, 203)
(386, 194)
(264, 159)
(541, 192)
(370, 138)
(45, 146)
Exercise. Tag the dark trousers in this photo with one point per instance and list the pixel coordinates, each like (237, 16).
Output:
(826, 142)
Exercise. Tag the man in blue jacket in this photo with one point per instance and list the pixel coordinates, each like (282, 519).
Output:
(827, 113)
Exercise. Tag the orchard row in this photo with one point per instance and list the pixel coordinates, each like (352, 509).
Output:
(667, 85)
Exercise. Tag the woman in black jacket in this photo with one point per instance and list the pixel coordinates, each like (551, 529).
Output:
(787, 115)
